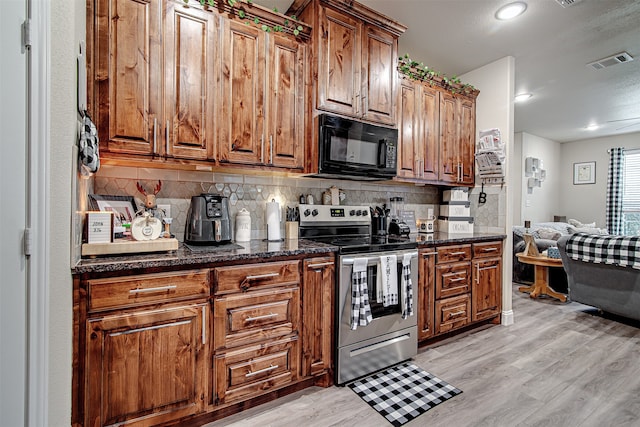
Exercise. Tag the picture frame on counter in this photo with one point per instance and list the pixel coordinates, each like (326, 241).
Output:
(123, 207)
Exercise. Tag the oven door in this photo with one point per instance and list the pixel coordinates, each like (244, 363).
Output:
(389, 338)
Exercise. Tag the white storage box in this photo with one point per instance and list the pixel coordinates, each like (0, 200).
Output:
(455, 195)
(455, 209)
(455, 225)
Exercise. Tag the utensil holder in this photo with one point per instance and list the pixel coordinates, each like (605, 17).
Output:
(291, 230)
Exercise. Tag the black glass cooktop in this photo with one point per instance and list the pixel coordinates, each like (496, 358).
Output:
(364, 244)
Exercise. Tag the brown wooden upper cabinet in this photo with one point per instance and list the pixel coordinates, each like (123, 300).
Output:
(355, 50)
(132, 73)
(436, 134)
(174, 80)
(262, 115)
(457, 139)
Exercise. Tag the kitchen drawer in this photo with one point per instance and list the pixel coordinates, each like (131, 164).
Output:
(129, 291)
(487, 249)
(454, 253)
(453, 279)
(452, 313)
(244, 278)
(242, 319)
(249, 371)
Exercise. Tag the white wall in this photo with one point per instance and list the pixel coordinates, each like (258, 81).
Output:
(67, 29)
(587, 202)
(541, 203)
(494, 109)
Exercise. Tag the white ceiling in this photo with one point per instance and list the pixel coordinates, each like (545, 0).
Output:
(551, 46)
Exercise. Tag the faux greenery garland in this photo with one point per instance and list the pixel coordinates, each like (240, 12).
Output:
(418, 71)
(287, 25)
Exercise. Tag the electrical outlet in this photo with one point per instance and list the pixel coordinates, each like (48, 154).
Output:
(527, 203)
(166, 209)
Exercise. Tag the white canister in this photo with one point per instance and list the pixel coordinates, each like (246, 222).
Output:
(243, 226)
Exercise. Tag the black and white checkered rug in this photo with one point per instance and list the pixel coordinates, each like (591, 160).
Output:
(403, 392)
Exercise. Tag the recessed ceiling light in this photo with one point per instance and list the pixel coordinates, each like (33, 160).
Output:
(522, 97)
(592, 126)
(511, 10)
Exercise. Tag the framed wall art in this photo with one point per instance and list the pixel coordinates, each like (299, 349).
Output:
(584, 173)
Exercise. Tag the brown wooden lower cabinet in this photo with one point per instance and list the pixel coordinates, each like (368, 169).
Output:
(147, 367)
(459, 285)
(168, 347)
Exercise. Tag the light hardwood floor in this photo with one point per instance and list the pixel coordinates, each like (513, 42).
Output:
(558, 365)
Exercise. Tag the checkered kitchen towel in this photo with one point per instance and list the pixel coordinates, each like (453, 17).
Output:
(407, 287)
(622, 251)
(360, 309)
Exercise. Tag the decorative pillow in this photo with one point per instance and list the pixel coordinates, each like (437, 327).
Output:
(547, 233)
(588, 230)
(579, 224)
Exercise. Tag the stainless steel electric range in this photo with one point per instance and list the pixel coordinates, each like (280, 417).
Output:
(389, 338)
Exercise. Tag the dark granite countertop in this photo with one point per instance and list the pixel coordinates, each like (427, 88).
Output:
(250, 251)
(437, 238)
(184, 256)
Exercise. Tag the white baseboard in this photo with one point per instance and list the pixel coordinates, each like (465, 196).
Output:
(507, 318)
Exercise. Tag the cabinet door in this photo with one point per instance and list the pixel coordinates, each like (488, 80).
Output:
(339, 64)
(286, 100)
(146, 367)
(426, 277)
(190, 80)
(409, 135)
(242, 115)
(429, 153)
(449, 163)
(467, 140)
(379, 75)
(317, 324)
(128, 75)
(486, 291)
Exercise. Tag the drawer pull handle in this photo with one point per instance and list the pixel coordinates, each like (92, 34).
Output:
(456, 313)
(157, 289)
(459, 279)
(489, 249)
(262, 276)
(458, 253)
(427, 254)
(319, 265)
(244, 285)
(260, 371)
(264, 316)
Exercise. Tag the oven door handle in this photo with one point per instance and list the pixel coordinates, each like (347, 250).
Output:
(376, 346)
(349, 261)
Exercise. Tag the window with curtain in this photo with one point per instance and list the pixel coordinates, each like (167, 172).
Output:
(631, 193)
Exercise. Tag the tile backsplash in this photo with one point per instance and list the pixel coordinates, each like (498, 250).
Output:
(252, 192)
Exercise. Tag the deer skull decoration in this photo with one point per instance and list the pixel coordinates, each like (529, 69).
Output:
(150, 199)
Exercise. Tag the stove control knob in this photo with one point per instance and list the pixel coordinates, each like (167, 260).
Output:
(352, 212)
(365, 213)
(358, 212)
(314, 212)
(307, 212)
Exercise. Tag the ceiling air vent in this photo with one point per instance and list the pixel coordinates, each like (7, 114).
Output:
(618, 58)
(567, 3)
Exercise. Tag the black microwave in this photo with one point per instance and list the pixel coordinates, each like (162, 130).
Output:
(349, 149)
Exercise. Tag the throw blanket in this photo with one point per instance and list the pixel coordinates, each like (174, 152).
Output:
(389, 279)
(360, 309)
(407, 287)
(622, 251)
